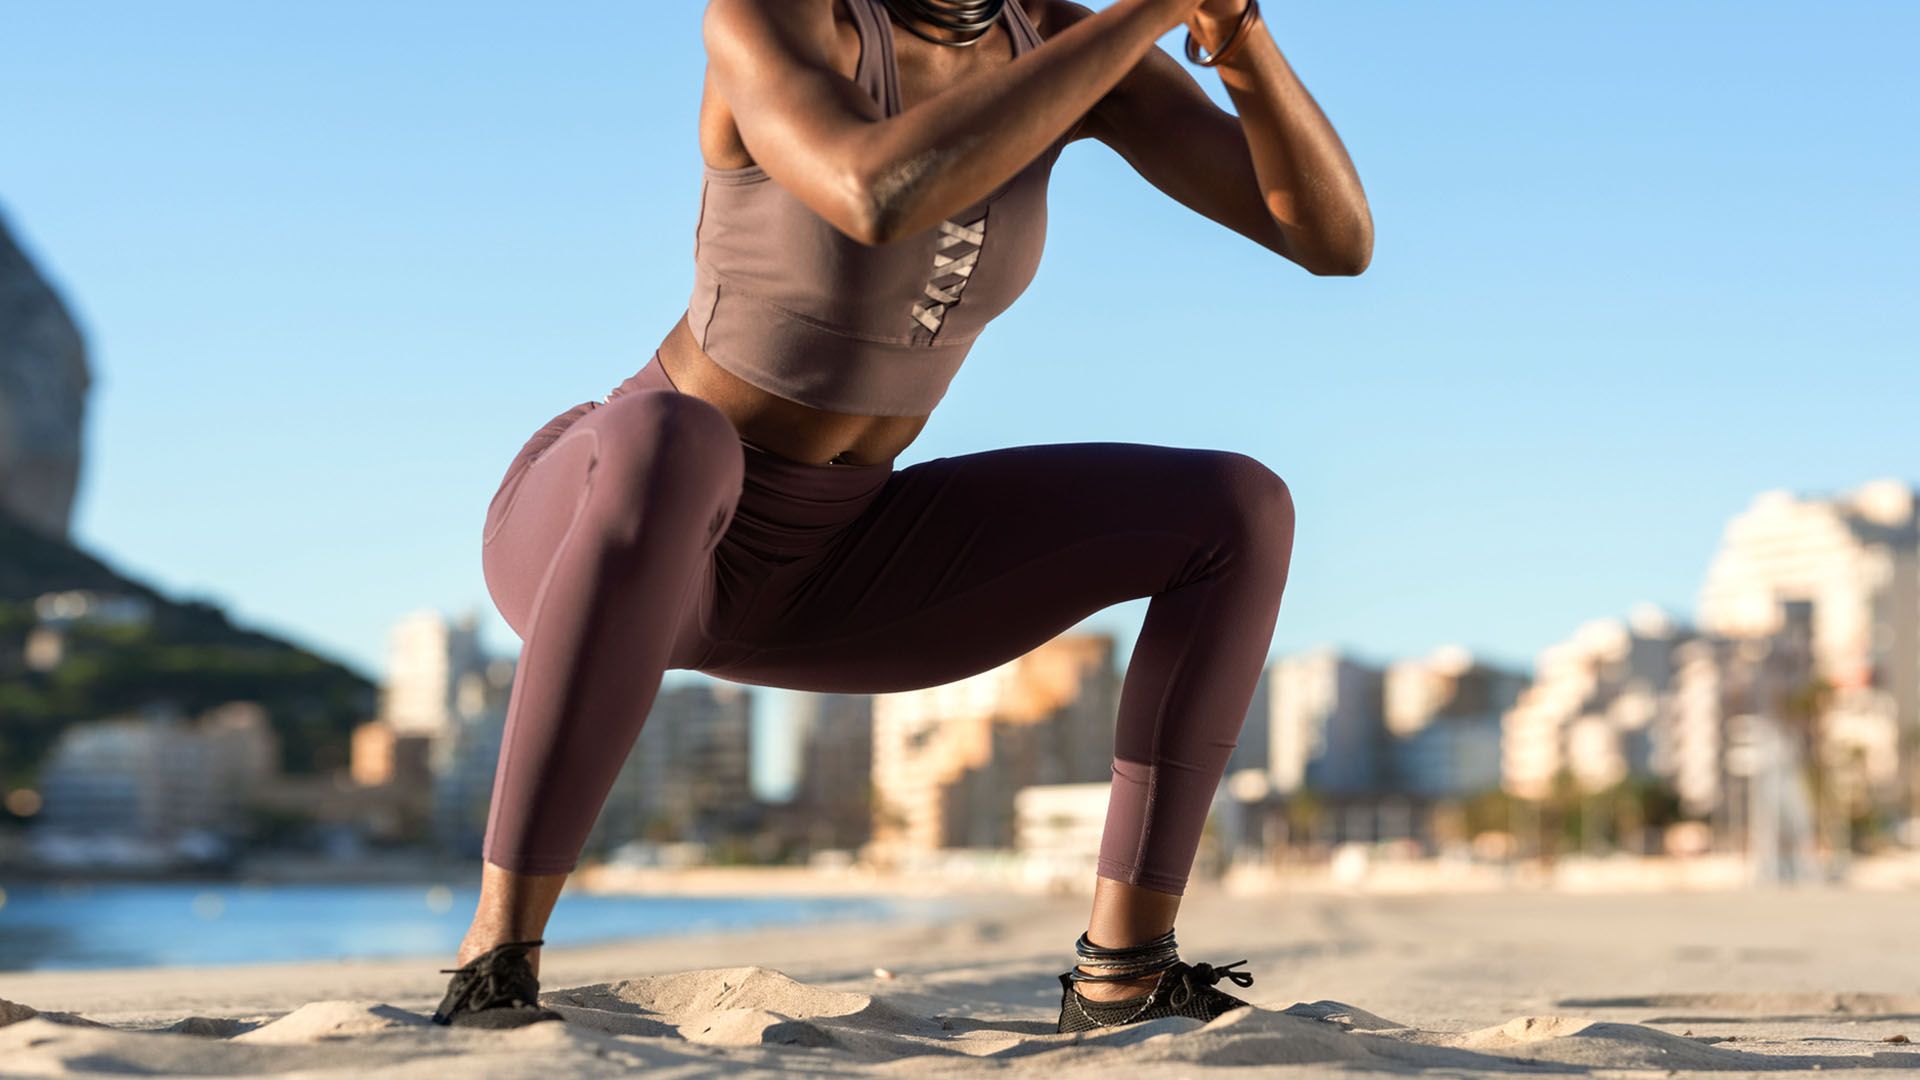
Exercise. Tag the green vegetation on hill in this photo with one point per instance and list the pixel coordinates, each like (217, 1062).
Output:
(189, 655)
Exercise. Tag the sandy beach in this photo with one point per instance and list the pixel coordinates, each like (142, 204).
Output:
(1794, 981)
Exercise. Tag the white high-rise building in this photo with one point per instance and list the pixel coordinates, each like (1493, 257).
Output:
(834, 787)
(1855, 558)
(1326, 723)
(1595, 707)
(463, 760)
(155, 774)
(688, 775)
(1442, 713)
(427, 657)
(947, 760)
(1718, 681)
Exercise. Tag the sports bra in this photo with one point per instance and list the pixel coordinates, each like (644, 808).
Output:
(786, 301)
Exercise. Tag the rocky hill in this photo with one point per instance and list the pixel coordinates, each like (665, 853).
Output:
(180, 652)
(188, 653)
(43, 396)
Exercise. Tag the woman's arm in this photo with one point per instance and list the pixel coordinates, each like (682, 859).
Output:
(1276, 173)
(878, 178)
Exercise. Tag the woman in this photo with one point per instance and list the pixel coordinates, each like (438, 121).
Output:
(871, 201)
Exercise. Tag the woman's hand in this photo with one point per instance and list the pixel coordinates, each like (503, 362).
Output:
(1272, 169)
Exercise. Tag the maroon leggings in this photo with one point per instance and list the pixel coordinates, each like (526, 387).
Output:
(642, 533)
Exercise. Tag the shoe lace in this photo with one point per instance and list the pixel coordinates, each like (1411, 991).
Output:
(486, 977)
(1206, 974)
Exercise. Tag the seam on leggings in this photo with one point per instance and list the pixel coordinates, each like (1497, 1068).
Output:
(919, 612)
(519, 479)
(537, 606)
(1139, 875)
(700, 621)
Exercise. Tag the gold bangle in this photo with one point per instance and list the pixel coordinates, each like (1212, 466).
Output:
(1240, 33)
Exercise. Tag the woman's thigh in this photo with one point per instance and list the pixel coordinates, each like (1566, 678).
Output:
(966, 562)
(647, 476)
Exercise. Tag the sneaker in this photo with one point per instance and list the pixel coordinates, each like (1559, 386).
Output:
(496, 989)
(1183, 990)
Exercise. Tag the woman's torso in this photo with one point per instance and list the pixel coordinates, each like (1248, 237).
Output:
(775, 423)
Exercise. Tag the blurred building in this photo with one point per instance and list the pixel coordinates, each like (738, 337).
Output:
(1594, 709)
(462, 761)
(1443, 715)
(57, 613)
(380, 755)
(156, 775)
(1057, 828)
(1326, 727)
(688, 776)
(948, 760)
(426, 657)
(832, 802)
(1254, 747)
(1719, 680)
(1854, 558)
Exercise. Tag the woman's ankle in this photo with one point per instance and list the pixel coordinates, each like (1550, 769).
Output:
(1114, 990)
(477, 945)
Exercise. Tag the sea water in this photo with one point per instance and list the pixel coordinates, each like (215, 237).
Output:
(71, 926)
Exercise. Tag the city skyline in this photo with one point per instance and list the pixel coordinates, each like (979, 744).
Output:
(1807, 650)
(319, 342)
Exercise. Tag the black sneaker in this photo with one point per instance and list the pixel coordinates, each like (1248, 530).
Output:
(496, 989)
(1183, 990)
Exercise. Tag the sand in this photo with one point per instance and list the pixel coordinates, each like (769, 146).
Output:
(1799, 981)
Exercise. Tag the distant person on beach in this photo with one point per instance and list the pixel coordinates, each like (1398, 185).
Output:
(871, 200)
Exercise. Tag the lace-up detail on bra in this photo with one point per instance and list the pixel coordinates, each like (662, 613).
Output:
(954, 256)
(786, 301)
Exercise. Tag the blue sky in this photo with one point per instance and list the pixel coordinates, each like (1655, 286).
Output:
(1634, 263)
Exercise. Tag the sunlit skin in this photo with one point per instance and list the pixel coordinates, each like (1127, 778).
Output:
(779, 93)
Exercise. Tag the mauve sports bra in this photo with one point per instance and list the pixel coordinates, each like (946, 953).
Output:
(789, 303)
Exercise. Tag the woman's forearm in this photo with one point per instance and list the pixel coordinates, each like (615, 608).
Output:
(1309, 182)
(951, 150)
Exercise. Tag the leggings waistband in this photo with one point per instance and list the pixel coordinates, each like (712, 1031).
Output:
(793, 503)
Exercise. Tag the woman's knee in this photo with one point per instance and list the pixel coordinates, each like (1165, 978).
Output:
(661, 452)
(1256, 503)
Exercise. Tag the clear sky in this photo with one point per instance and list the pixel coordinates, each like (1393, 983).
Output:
(1635, 262)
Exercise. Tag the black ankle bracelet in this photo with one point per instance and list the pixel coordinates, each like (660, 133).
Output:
(1126, 962)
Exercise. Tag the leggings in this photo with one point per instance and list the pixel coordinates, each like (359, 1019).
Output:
(642, 533)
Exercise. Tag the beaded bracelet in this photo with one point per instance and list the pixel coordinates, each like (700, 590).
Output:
(1125, 962)
(1240, 33)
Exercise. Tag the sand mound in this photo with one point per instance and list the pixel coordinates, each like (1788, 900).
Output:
(697, 995)
(755, 1027)
(1345, 1016)
(43, 1047)
(320, 1020)
(213, 1027)
(12, 1012)
(1253, 1037)
(600, 1008)
(1571, 1040)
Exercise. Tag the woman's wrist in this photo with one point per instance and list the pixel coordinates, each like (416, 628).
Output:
(1211, 25)
(1214, 36)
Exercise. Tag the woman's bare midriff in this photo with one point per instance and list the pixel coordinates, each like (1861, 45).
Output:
(778, 425)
